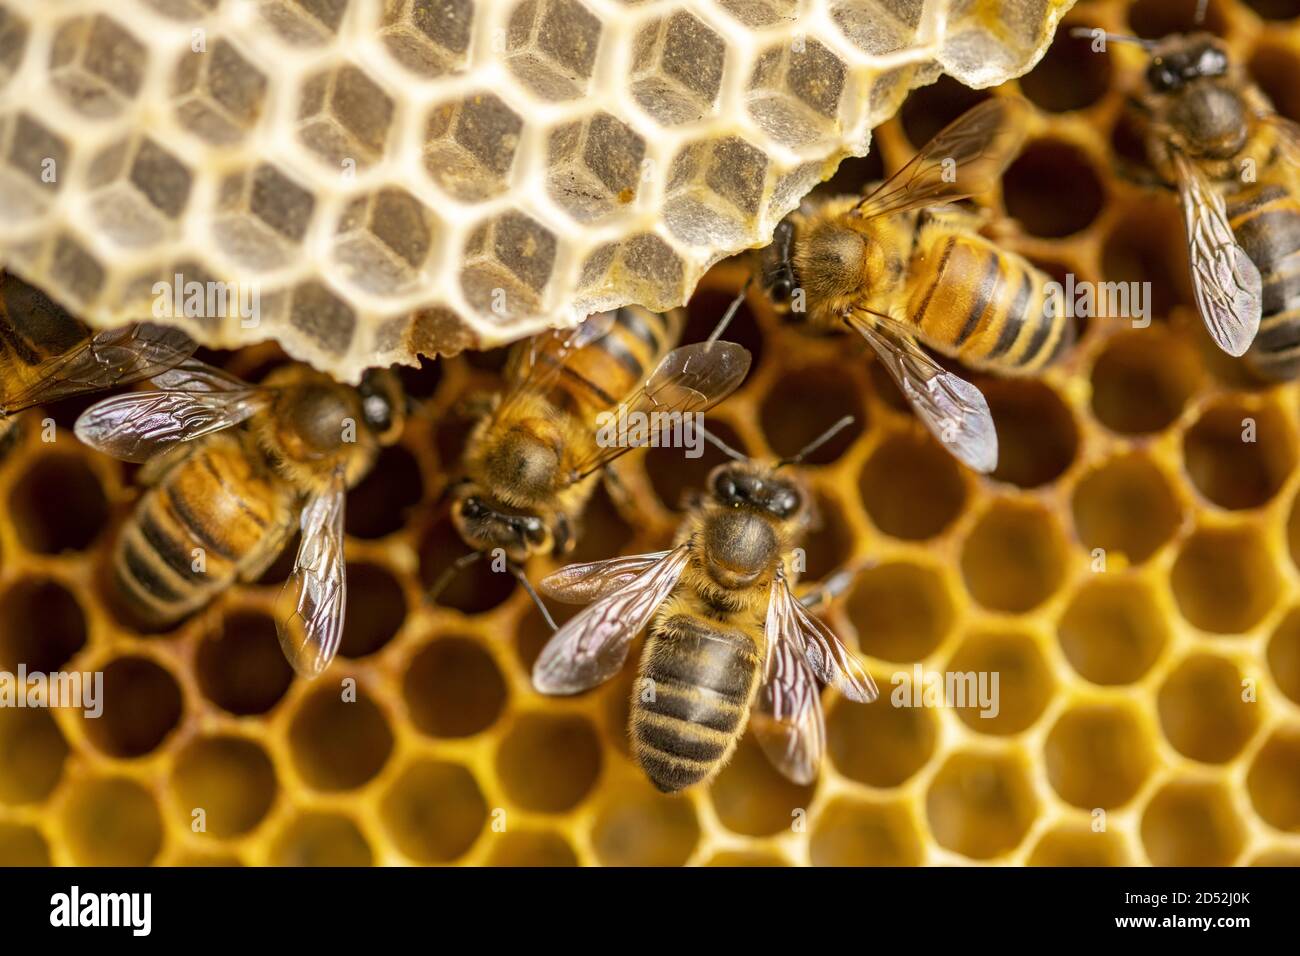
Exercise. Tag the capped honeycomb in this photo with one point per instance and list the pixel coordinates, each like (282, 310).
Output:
(375, 179)
(1131, 572)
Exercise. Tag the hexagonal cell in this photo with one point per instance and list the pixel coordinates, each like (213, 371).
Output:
(262, 216)
(111, 822)
(594, 166)
(304, 22)
(508, 263)
(751, 797)
(1284, 655)
(1113, 631)
(1189, 823)
(240, 666)
(1142, 380)
(1014, 558)
(32, 753)
(981, 805)
(549, 762)
(1127, 508)
(429, 37)
(22, 845)
(1224, 580)
(1273, 781)
(38, 158)
(645, 265)
(1070, 76)
(1032, 183)
(1074, 845)
(911, 486)
(336, 744)
(641, 827)
(551, 47)
(1239, 455)
(453, 688)
(1037, 436)
(803, 403)
(140, 191)
(884, 743)
(97, 65)
(856, 833)
(74, 271)
(323, 317)
(1098, 755)
(344, 117)
(695, 211)
(142, 706)
(901, 611)
(433, 811)
(677, 65)
(41, 625)
(1145, 245)
(878, 27)
(471, 144)
(1203, 710)
(530, 848)
(794, 92)
(219, 94)
(13, 43)
(320, 839)
(1000, 682)
(231, 779)
(384, 239)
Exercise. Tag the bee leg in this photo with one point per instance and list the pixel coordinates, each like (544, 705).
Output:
(518, 572)
(618, 492)
(835, 585)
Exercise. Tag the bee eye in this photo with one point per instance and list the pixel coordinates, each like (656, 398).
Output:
(378, 413)
(781, 290)
(472, 508)
(725, 487)
(1161, 77)
(1212, 62)
(785, 503)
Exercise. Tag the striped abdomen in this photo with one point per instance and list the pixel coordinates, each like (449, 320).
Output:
(983, 305)
(689, 708)
(1266, 223)
(216, 516)
(36, 330)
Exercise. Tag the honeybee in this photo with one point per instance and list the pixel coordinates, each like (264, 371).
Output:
(220, 502)
(532, 461)
(726, 636)
(47, 355)
(1213, 135)
(900, 266)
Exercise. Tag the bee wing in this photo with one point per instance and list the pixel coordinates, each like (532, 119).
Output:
(107, 359)
(1226, 282)
(951, 407)
(965, 158)
(591, 647)
(690, 379)
(786, 716)
(309, 609)
(831, 662)
(537, 363)
(584, 583)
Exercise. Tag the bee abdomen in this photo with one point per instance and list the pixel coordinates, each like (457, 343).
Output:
(690, 706)
(1266, 223)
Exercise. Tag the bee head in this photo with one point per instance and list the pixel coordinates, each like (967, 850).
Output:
(485, 525)
(1185, 59)
(746, 486)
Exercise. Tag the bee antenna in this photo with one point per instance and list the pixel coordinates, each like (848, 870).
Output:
(730, 313)
(518, 572)
(1089, 32)
(721, 445)
(453, 569)
(817, 442)
(1201, 7)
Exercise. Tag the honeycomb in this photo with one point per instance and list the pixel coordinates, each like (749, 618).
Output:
(381, 178)
(1131, 571)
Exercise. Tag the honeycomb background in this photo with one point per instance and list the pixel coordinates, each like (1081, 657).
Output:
(403, 176)
(1121, 691)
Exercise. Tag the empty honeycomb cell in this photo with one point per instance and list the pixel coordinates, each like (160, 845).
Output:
(508, 262)
(231, 779)
(1275, 9)
(1023, 688)
(1014, 558)
(41, 625)
(603, 530)
(327, 321)
(549, 762)
(474, 589)
(911, 486)
(79, 272)
(453, 688)
(1074, 845)
(1191, 823)
(551, 47)
(1205, 711)
(1098, 755)
(877, 26)
(1070, 76)
(1037, 436)
(377, 607)
(794, 91)
(675, 477)
(828, 545)
(320, 839)
(752, 797)
(857, 833)
(530, 848)
(1274, 69)
(1112, 632)
(261, 217)
(1238, 455)
(1127, 508)
(22, 845)
(14, 32)
(240, 666)
(97, 65)
(901, 611)
(433, 811)
(594, 166)
(732, 858)
(1042, 170)
(142, 705)
(980, 805)
(429, 37)
(111, 822)
(339, 744)
(640, 827)
(1142, 380)
(35, 152)
(471, 144)
(677, 68)
(344, 116)
(219, 95)
(930, 108)
(138, 189)
(1224, 580)
(304, 22)
(882, 744)
(706, 308)
(1273, 781)
(384, 239)
(1144, 248)
(57, 505)
(1154, 19)
(32, 753)
(803, 404)
(381, 504)
(1284, 655)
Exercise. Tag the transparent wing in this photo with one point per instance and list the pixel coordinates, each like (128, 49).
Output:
(965, 158)
(786, 717)
(537, 363)
(584, 583)
(690, 379)
(310, 607)
(591, 647)
(195, 376)
(1226, 282)
(108, 359)
(138, 426)
(831, 662)
(952, 408)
